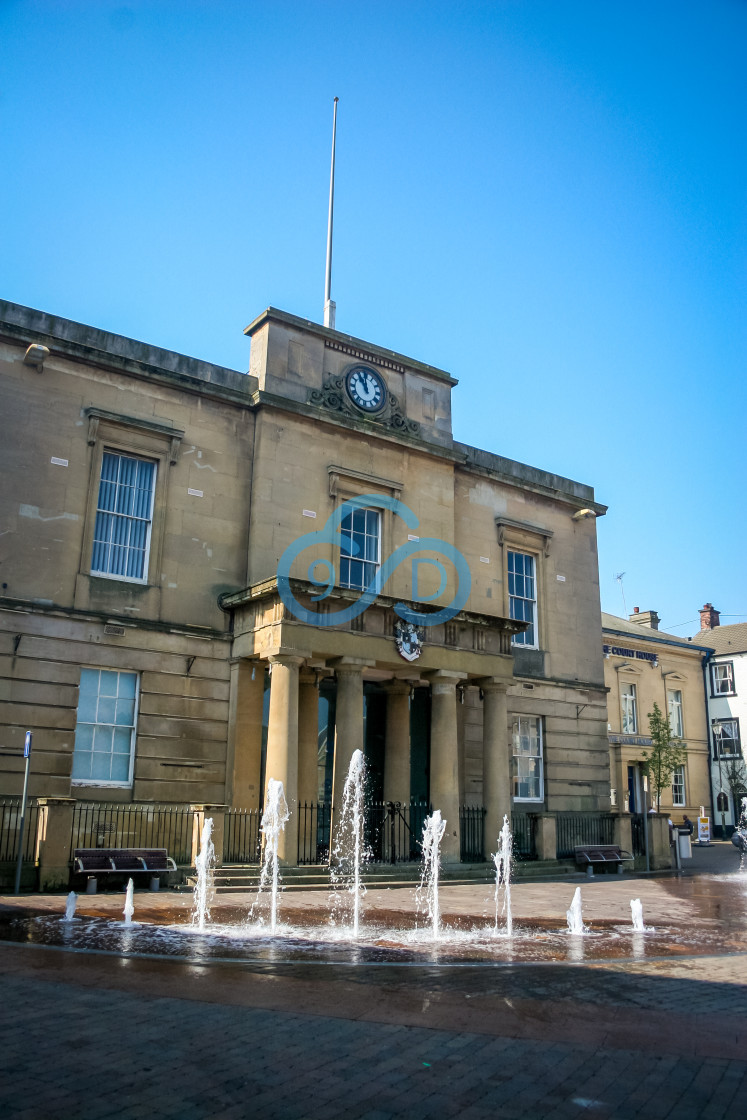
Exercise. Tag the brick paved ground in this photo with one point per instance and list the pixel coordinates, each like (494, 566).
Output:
(87, 1036)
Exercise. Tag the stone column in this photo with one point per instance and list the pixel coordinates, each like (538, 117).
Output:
(397, 745)
(55, 847)
(348, 723)
(282, 745)
(496, 762)
(445, 791)
(308, 737)
(244, 762)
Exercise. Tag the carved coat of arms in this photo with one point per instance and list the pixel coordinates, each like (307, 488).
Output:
(408, 639)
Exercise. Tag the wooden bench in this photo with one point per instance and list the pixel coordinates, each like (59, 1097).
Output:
(122, 861)
(600, 855)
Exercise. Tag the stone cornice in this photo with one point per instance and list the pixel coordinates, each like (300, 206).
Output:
(336, 340)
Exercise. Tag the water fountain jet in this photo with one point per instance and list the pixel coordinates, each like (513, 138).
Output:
(636, 913)
(204, 891)
(274, 819)
(574, 916)
(129, 909)
(433, 831)
(349, 852)
(502, 860)
(70, 904)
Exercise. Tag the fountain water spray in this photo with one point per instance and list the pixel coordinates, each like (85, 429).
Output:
(574, 917)
(349, 852)
(129, 909)
(636, 913)
(502, 860)
(427, 892)
(70, 904)
(274, 819)
(204, 892)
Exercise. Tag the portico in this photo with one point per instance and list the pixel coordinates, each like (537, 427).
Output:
(359, 667)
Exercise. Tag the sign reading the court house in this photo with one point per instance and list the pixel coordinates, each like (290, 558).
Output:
(636, 654)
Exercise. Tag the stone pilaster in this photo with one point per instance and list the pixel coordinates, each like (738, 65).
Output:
(245, 735)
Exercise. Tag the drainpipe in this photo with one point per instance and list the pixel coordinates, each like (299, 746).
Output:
(711, 744)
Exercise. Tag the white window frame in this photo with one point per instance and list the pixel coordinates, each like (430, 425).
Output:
(123, 578)
(727, 679)
(674, 706)
(679, 787)
(522, 639)
(374, 565)
(102, 783)
(735, 738)
(516, 755)
(629, 707)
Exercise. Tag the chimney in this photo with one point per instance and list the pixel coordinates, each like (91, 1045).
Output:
(645, 618)
(709, 618)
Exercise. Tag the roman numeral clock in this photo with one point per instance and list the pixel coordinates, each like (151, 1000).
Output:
(366, 388)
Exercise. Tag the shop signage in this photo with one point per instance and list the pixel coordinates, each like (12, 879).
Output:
(631, 740)
(636, 654)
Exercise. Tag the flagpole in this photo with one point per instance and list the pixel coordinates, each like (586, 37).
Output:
(329, 306)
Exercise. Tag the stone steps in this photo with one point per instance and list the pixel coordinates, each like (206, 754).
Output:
(237, 878)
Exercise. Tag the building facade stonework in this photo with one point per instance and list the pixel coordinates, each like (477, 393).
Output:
(726, 691)
(148, 500)
(644, 666)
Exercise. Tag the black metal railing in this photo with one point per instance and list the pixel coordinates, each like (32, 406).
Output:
(575, 829)
(313, 832)
(135, 826)
(10, 823)
(524, 829)
(393, 832)
(638, 836)
(472, 834)
(242, 838)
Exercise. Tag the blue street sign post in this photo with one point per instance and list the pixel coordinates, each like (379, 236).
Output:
(27, 757)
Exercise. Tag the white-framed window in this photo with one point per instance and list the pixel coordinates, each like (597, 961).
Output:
(629, 705)
(360, 548)
(103, 754)
(124, 515)
(678, 786)
(522, 595)
(527, 760)
(674, 700)
(722, 679)
(726, 738)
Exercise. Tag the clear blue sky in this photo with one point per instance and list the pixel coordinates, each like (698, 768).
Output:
(545, 197)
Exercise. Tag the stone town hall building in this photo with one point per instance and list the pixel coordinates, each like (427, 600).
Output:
(147, 500)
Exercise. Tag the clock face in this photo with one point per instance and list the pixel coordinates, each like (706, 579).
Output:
(366, 388)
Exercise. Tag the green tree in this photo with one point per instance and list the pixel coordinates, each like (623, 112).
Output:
(666, 754)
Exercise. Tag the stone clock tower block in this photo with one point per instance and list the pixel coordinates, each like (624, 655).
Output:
(296, 359)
